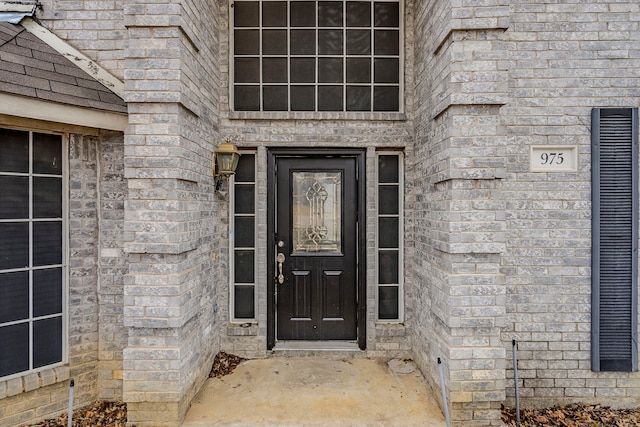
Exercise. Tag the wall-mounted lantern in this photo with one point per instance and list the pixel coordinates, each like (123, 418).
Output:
(225, 162)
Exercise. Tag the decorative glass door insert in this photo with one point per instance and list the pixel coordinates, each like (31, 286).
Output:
(317, 198)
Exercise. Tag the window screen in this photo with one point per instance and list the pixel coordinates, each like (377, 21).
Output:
(32, 278)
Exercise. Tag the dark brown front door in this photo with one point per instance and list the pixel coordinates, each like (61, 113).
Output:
(315, 244)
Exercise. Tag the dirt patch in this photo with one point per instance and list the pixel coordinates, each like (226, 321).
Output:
(114, 414)
(224, 364)
(100, 414)
(573, 415)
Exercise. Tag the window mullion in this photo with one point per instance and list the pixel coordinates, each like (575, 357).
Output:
(31, 242)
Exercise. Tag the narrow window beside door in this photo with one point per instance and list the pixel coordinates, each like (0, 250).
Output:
(614, 152)
(32, 257)
(242, 291)
(390, 301)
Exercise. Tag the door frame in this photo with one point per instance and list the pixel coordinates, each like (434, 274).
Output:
(360, 156)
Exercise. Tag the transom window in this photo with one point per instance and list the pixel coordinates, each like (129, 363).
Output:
(32, 256)
(316, 55)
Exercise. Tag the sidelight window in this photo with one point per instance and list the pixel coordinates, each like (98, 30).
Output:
(32, 254)
(389, 235)
(309, 55)
(243, 274)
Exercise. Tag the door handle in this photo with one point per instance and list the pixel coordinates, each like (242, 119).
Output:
(280, 260)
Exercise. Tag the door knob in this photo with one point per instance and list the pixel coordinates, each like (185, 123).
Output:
(280, 260)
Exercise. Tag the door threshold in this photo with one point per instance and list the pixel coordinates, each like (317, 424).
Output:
(317, 345)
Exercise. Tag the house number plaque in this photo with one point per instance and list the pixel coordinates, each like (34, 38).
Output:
(553, 158)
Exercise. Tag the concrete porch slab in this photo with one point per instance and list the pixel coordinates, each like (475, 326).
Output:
(286, 391)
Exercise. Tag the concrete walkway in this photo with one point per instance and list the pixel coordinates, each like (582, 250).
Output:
(284, 391)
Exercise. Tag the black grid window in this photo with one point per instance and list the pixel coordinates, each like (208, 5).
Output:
(390, 302)
(32, 258)
(316, 55)
(244, 243)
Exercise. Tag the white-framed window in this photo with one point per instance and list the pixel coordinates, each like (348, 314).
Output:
(390, 301)
(33, 254)
(242, 294)
(316, 55)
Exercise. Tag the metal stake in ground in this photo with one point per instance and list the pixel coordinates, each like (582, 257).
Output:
(515, 381)
(70, 410)
(444, 394)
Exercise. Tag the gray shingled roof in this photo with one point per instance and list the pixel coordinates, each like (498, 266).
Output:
(29, 67)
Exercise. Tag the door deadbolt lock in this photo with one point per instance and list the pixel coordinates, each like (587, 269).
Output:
(280, 260)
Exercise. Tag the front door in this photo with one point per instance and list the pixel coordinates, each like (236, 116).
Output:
(314, 248)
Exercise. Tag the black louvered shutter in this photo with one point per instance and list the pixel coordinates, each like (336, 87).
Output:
(614, 319)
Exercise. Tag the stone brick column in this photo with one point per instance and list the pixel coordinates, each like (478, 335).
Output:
(460, 143)
(170, 215)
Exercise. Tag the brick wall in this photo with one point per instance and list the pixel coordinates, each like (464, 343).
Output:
(45, 394)
(459, 212)
(564, 59)
(112, 266)
(493, 251)
(171, 229)
(94, 27)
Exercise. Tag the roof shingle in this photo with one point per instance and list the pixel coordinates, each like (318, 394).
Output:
(27, 64)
